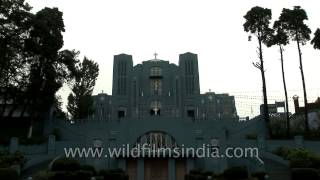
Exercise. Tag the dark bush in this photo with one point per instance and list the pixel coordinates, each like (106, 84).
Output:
(195, 171)
(198, 174)
(88, 168)
(32, 140)
(251, 136)
(43, 175)
(8, 174)
(66, 165)
(259, 175)
(195, 177)
(63, 175)
(7, 159)
(282, 152)
(300, 158)
(114, 174)
(236, 173)
(305, 174)
(83, 175)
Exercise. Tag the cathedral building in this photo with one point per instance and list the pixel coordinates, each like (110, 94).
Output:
(160, 89)
(159, 104)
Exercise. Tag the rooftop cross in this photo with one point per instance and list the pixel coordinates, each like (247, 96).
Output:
(155, 55)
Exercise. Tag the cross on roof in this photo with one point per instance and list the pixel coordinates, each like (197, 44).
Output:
(155, 55)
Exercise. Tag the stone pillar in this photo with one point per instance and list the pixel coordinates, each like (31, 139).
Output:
(171, 169)
(190, 165)
(261, 142)
(51, 145)
(122, 164)
(140, 169)
(298, 141)
(14, 145)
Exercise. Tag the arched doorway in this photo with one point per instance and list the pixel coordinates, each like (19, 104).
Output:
(155, 167)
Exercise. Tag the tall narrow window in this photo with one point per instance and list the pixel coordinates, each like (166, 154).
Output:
(156, 86)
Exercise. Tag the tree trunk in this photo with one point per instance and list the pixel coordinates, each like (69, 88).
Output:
(30, 131)
(285, 93)
(306, 119)
(4, 102)
(264, 90)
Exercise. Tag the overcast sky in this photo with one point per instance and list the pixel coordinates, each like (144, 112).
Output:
(212, 29)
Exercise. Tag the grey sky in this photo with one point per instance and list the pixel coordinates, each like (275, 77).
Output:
(213, 29)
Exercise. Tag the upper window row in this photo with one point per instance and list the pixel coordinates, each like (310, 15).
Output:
(155, 71)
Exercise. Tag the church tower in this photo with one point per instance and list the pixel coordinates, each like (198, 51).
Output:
(188, 64)
(122, 70)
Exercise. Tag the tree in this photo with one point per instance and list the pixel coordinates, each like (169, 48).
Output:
(316, 39)
(257, 23)
(293, 24)
(280, 38)
(80, 100)
(15, 20)
(49, 67)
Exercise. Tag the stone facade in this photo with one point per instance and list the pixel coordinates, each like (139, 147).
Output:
(158, 88)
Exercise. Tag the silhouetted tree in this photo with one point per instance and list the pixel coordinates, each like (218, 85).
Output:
(49, 67)
(292, 22)
(15, 19)
(80, 100)
(280, 38)
(316, 39)
(257, 23)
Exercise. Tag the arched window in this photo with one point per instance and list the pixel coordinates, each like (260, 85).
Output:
(157, 139)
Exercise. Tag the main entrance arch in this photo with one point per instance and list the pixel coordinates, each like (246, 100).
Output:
(156, 168)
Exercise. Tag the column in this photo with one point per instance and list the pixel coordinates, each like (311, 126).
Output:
(171, 169)
(261, 143)
(190, 165)
(51, 145)
(298, 140)
(14, 145)
(140, 169)
(122, 164)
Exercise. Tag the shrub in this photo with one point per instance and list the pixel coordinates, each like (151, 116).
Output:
(32, 140)
(66, 165)
(252, 136)
(99, 178)
(114, 174)
(195, 177)
(7, 159)
(88, 168)
(43, 175)
(282, 152)
(198, 174)
(8, 174)
(300, 158)
(235, 173)
(305, 173)
(259, 175)
(83, 175)
(61, 175)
